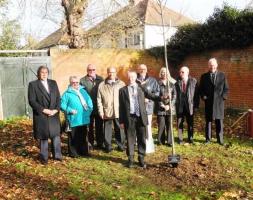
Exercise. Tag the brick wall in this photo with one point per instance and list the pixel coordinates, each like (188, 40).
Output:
(67, 63)
(238, 67)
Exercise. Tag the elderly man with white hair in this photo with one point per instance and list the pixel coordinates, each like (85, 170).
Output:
(133, 117)
(186, 102)
(152, 86)
(214, 90)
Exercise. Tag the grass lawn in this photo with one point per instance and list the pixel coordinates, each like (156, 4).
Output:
(205, 171)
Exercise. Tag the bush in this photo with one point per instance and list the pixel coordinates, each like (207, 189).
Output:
(226, 28)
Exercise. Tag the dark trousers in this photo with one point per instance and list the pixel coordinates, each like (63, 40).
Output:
(180, 125)
(78, 141)
(219, 130)
(119, 133)
(99, 133)
(163, 128)
(55, 147)
(136, 129)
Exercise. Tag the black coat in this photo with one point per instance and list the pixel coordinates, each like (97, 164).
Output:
(124, 106)
(92, 89)
(215, 94)
(159, 110)
(44, 127)
(151, 85)
(192, 95)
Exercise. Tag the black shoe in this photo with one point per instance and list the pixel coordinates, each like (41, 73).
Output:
(130, 164)
(43, 162)
(73, 155)
(86, 155)
(119, 148)
(100, 146)
(190, 141)
(141, 162)
(58, 159)
(108, 150)
(221, 143)
(169, 145)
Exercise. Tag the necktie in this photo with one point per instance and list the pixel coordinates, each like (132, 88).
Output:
(136, 103)
(212, 77)
(184, 87)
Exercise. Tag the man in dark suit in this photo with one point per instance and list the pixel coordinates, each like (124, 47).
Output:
(44, 98)
(187, 102)
(214, 90)
(133, 117)
(91, 82)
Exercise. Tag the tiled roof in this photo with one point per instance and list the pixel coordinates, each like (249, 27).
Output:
(145, 12)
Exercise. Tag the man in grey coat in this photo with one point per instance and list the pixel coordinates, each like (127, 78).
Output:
(44, 98)
(214, 90)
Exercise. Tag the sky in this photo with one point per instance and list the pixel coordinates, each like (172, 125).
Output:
(40, 22)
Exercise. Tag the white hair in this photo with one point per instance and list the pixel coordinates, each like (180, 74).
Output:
(185, 68)
(142, 65)
(72, 77)
(213, 60)
(131, 72)
(166, 70)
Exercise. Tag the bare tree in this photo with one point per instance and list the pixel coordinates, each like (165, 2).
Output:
(74, 16)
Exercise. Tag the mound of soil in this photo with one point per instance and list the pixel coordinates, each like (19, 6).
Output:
(201, 173)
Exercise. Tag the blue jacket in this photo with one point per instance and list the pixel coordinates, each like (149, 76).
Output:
(70, 101)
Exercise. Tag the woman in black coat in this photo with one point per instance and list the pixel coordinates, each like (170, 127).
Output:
(44, 98)
(162, 108)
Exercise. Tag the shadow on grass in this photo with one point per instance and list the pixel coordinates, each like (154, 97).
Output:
(25, 185)
(110, 158)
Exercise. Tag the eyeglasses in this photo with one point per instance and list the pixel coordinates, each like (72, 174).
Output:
(91, 69)
(74, 82)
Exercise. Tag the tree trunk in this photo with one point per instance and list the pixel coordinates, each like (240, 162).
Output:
(74, 15)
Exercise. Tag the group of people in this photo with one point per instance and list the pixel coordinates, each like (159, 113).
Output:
(94, 107)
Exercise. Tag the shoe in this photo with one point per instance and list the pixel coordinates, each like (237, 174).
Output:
(119, 148)
(43, 162)
(180, 142)
(73, 155)
(221, 143)
(100, 146)
(207, 142)
(86, 155)
(141, 162)
(169, 145)
(58, 159)
(108, 150)
(190, 141)
(130, 163)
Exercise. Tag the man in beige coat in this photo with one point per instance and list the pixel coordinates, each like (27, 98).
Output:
(108, 108)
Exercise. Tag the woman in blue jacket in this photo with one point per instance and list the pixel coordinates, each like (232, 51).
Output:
(77, 105)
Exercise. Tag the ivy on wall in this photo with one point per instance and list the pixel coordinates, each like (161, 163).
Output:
(227, 28)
